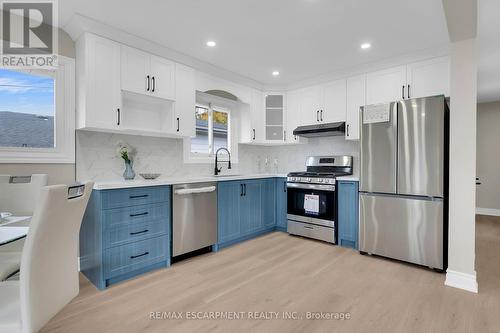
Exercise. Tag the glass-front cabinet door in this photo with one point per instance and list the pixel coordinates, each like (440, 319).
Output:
(275, 109)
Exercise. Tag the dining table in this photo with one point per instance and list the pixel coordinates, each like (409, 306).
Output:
(13, 228)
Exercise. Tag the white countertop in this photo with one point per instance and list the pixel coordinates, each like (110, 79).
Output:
(140, 182)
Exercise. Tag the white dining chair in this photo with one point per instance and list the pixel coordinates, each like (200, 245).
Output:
(18, 195)
(49, 267)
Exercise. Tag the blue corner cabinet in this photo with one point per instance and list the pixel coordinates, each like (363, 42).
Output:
(348, 213)
(124, 233)
(248, 208)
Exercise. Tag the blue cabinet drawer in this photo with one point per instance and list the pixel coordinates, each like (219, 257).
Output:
(135, 214)
(127, 258)
(127, 233)
(135, 196)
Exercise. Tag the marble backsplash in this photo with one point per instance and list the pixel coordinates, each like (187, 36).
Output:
(96, 157)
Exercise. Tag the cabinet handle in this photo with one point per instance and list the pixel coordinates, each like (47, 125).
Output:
(408, 91)
(147, 82)
(139, 232)
(153, 84)
(178, 123)
(284, 187)
(317, 115)
(403, 92)
(139, 255)
(347, 133)
(321, 114)
(138, 196)
(284, 135)
(139, 214)
(245, 190)
(308, 227)
(295, 137)
(118, 117)
(253, 134)
(241, 190)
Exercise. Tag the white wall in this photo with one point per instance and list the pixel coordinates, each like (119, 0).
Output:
(463, 86)
(488, 158)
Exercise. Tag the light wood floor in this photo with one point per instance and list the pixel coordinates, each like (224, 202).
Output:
(279, 273)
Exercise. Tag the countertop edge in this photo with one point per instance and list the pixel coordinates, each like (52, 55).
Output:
(118, 184)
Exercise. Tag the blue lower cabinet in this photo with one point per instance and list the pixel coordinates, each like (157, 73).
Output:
(348, 213)
(246, 209)
(124, 233)
(251, 207)
(281, 204)
(268, 203)
(228, 211)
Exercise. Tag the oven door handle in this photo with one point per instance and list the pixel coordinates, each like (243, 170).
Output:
(319, 187)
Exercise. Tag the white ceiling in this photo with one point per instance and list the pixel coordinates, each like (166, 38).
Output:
(488, 39)
(300, 38)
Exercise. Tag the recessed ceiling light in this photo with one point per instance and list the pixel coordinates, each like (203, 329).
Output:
(211, 43)
(365, 46)
(276, 73)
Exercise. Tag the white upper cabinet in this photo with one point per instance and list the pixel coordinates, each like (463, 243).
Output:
(274, 117)
(143, 73)
(251, 120)
(257, 131)
(163, 82)
(135, 70)
(419, 79)
(185, 101)
(310, 105)
(356, 98)
(293, 117)
(334, 102)
(428, 78)
(386, 86)
(115, 86)
(98, 83)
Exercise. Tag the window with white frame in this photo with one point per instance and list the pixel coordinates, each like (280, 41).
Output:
(37, 114)
(213, 131)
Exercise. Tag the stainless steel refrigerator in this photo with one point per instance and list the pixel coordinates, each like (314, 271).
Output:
(404, 180)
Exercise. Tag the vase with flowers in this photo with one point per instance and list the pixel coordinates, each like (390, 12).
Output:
(126, 152)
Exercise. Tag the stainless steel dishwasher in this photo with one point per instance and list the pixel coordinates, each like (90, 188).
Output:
(194, 217)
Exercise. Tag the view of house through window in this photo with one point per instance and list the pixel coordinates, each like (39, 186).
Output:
(212, 131)
(27, 109)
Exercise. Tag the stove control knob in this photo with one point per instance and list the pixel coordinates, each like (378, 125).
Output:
(320, 180)
(308, 180)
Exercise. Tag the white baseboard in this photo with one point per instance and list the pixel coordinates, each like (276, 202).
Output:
(461, 281)
(488, 211)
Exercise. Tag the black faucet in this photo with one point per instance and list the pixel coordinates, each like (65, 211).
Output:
(217, 170)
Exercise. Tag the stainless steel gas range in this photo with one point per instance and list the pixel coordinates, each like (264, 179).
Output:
(312, 200)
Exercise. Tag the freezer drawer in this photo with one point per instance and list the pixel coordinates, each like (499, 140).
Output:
(402, 228)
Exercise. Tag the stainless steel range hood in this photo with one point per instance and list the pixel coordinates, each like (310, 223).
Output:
(312, 131)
